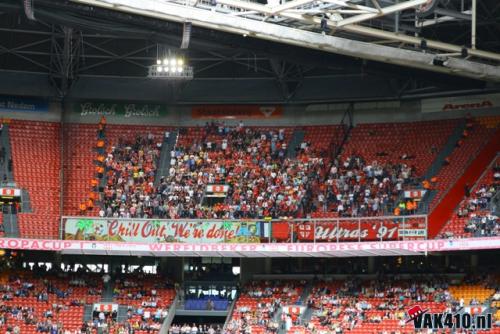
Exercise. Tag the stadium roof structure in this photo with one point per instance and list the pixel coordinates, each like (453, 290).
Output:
(300, 51)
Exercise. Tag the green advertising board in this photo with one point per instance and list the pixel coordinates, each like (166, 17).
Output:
(127, 110)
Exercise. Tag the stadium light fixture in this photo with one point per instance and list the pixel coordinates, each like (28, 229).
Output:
(170, 67)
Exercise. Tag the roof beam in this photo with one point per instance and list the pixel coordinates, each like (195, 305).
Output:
(287, 35)
(344, 3)
(290, 5)
(353, 28)
(383, 11)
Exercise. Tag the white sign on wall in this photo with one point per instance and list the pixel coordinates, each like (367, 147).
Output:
(469, 103)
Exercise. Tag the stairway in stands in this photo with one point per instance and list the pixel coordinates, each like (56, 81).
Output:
(87, 312)
(446, 150)
(295, 141)
(107, 292)
(5, 142)
(164, 163)
(437, 164)
(11, 227)
(79, 167)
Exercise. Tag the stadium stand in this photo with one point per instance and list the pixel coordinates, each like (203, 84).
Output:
(258, 303)
(79, 167)
(401, 151)
(365, 306)
(413, 143)
(147, 299)
(218, 138)
(39, 301)
(473, 217)
(467, 148)
(249, 166)
(36, 155)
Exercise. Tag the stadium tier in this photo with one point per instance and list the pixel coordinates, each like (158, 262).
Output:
(36, 157)
(38, 300)
(473, 216)
(249, 167)
(267, 172)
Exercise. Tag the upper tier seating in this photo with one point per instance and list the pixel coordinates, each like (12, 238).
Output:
(79, 168)
(394, 146)
(460, 158)
(468, 220)
(80, 154)
(389, 142)
(36, 155)
(252, 161)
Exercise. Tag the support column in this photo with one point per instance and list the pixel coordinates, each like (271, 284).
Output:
(473, 261)
(173, 267)
(371, 265)
(268, 265)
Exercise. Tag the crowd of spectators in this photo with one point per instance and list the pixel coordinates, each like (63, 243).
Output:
(340, 307)
(259, 303)
(354, 187)
(481, 221)
(54, 293)
(262, 181)
(130, 169)
(195, 329)
(354, 298)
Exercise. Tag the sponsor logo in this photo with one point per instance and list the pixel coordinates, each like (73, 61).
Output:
(90, 108)
(267, 111)
(464, 106)
(142, 111)
(125, 110)
(423, 319)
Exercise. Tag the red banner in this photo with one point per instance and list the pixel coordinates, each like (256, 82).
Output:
(106, 307)
(236, 111)
(329, 231)
(344, 231)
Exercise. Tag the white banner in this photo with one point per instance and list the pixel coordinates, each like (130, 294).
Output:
(469, 102)
(105, 307)
(10, 192)
(293, 309)
(408, 247)
(217, 188)
(152, 231)
(412, 232)
(415, 193)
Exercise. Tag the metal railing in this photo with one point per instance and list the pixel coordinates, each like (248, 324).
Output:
(382, 228)
(230, 313)
(165, 326)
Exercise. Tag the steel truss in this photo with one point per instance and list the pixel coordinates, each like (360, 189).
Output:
(312, 24)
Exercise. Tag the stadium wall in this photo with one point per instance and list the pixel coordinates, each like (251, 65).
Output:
(292, 115)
